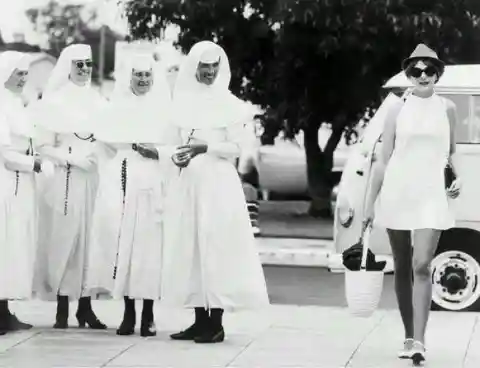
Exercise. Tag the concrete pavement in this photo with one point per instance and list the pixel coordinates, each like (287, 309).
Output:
(282, 336)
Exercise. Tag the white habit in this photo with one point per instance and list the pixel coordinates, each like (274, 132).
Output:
(67, 115)
(210, 257)
(128, 228)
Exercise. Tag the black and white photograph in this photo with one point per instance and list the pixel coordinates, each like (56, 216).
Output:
(239, 183)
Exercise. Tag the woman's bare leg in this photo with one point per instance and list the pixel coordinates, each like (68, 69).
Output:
(425, 245)
(401, 244)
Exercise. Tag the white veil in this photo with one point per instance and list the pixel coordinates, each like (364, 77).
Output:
(197, 105)
(137, 119)
(11, 106)
(60, 73)
(66, 107)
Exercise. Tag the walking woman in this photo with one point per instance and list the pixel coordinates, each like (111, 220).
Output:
(18, 166)
(125, 257)
(418, 143)
(211, 263)
(67, 114)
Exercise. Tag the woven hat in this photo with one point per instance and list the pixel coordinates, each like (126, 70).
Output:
(423, 52)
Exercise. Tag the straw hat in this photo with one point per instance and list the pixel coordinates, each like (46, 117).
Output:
(423, 52)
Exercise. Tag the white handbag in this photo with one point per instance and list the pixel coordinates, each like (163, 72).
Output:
(363, 289)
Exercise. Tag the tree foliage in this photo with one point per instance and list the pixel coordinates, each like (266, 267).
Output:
(314, 61)
(65, 24)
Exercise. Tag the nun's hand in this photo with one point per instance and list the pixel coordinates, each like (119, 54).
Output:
(146, 152)
(454, 190)
(197, 147)
(182, 156)
(47, 168)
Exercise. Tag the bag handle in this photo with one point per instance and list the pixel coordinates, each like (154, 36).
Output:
(365, 241)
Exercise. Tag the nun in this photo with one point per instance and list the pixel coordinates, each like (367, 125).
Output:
(66, 116)
(19, 165)
(125, 257)
(211, 263)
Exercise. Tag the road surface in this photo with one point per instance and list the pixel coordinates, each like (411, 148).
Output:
(316, 287)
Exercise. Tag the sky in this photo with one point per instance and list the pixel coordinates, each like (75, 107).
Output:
(13, 19)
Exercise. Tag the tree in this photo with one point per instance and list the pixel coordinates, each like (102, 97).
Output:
(311, 62)
(73, 23)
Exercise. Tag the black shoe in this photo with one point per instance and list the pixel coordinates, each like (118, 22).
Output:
(187, 335)
(211, 336)
(127, 327)
(148, 329)
(89, 318)
(3, 332)
(14, 324)
(61, 323)
(61, 318)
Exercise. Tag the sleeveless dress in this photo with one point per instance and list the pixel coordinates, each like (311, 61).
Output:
(413, 194)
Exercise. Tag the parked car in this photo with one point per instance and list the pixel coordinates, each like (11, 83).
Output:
(456, 266)
(282, 166)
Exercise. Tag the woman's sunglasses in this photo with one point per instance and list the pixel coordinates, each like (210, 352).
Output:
(81, 64)
(429, 71)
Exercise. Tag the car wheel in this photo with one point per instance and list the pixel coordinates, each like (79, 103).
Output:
(456, 277)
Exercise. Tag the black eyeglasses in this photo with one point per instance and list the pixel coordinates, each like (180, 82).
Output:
(142, 74)
(81, 64)
(429, 71)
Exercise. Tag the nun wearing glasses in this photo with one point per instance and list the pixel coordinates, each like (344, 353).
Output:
(127, 237)
(211, 263)
(19, 165)
(66, 117)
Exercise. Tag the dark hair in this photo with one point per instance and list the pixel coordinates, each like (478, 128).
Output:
(427, 62)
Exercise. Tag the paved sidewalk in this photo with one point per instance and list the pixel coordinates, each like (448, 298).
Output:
(282, 336)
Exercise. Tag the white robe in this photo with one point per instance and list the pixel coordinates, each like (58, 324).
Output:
(130, 235)
(64, 238)
(210, 256)
(17, 203)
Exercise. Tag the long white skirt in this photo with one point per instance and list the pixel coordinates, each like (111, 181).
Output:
(128, 236)
(17, 235)
(210, 257)
(63, 239)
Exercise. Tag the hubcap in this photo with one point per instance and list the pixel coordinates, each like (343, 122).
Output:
(455, 279)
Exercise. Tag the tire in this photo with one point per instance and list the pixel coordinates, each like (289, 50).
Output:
(456, 272)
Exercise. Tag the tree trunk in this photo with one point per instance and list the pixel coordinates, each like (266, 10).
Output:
(319, 174)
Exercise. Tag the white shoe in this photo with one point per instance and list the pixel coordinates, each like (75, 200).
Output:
(256, 231)
(418, 353)
(406, 352)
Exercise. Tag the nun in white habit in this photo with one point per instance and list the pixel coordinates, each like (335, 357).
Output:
(125, 257)
(211, 262)
(67, 116)
(18, 167)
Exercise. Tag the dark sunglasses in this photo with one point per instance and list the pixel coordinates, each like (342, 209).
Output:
(81, 64)
(429, 71)
(142, 74)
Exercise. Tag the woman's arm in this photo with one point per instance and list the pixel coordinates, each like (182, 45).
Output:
(452, 118)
